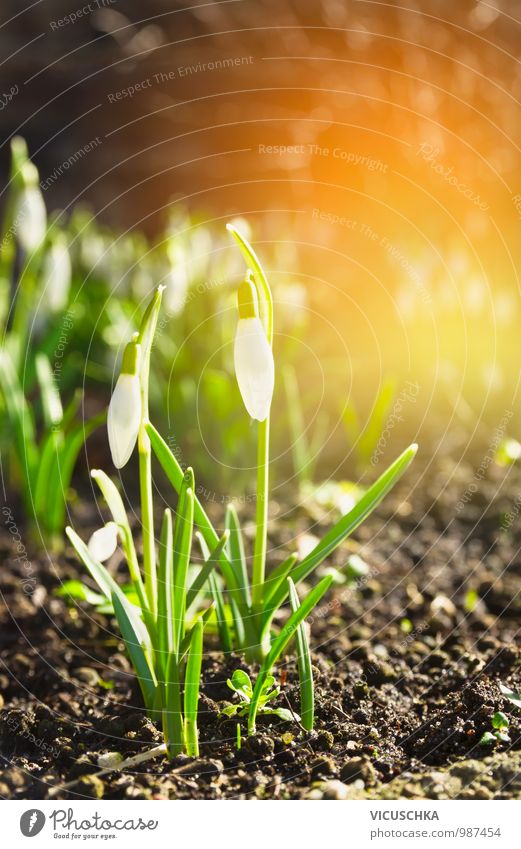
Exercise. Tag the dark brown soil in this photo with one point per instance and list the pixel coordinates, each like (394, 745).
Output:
(407, 665)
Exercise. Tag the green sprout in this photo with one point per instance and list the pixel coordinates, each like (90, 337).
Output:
(500, 724)
(240, 683)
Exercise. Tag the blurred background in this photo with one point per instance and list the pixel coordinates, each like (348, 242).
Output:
(372, 152)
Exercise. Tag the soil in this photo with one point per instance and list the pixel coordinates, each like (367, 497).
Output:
(407, 664)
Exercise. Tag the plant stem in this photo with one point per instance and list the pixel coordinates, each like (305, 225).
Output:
(261, 515)
(147, 519)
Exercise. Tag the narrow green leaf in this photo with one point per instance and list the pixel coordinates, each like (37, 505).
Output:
(211, 560)
(174, 473)
(305, 673)
(21, 420)
(62, 475)
(277, 577)
(192, 684)
(220, 609)
(119, 514)
(165, 588)
(182, 546)
(236, 553)
(173, 725)
(281, 642)
(348, 523)
(108, 586)
(134, 646)
(51, 403)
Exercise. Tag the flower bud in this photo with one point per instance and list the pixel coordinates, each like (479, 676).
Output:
(104, 542)
(253, 356)
(124, 415)
(30, 218)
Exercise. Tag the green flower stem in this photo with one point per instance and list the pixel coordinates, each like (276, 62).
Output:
(147, 519)
(145, 338)
(261, 517)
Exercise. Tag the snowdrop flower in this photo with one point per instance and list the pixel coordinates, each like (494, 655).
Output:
(104, 542)
(124, 415)
(56, 275)
(30, 218)
(253, 356)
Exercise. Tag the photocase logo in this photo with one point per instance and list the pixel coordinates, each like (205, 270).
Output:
(32, 822)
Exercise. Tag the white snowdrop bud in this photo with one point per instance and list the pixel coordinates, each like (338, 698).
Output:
(104, 542)
(29, 213)
(124, 415)
(254, 366)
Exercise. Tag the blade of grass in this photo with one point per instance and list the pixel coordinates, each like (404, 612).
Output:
(281, 642)
(191, 696)
(305, 674)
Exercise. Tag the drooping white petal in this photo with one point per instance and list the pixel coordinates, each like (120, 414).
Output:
(56, 277)
(30, 218)
(254, 367)
(123, 418)
(104, 542)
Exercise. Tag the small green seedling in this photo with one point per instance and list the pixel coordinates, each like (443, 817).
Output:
(500, 724)
(240, 683)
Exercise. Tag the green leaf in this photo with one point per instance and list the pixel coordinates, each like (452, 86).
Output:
(487, 739)
(509, 694)
(173, 725)
(119, 514)
(21, 420)
(229, 710)
(348, 523)
(307, 694)
(182, 546)
(281, 642)
(132, 639)
(51, 403)
(281, 713)
(500, 720)
(108, 586)
(192, 684)
(211, 560)
(64, 467)
(79, 592)
(174, 473)
(241, 683)
(165, 591)
(236, 553)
